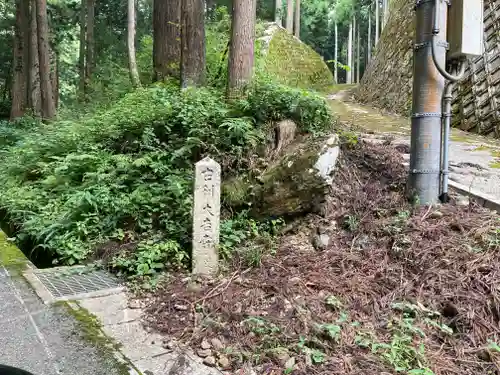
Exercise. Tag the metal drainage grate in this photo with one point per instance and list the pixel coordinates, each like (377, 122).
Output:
(74, 281)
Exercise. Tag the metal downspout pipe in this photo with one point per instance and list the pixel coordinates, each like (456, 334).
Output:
(445, 144)
(445, 138)
(446, 105)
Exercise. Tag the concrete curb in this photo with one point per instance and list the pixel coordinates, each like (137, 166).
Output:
(477, 196)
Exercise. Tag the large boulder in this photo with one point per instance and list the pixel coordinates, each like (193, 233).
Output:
(295, 181)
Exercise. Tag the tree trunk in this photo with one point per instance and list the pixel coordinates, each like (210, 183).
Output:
(385, 13)
(132, 63)
(48, 105)
(54, 76)
(377, 21)
(89, 57)
(34, 94)
(166, 38)
(193, 54)
(241, 58)
(297, 18)
(349, 56)
(289, 16)
(369, 44)
(277, 12)
(81, 58)
(20, 63)
(336, 54)
(354, 29)
(358, 57)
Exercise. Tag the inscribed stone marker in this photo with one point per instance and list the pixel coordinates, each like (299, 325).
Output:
(206, 216)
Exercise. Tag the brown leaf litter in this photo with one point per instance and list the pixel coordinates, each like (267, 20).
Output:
(398, 290)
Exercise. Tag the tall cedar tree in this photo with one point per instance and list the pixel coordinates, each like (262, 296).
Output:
(54, 75)
(241, 58)
(90, 42)
(134, 74)
(166, 38)
(34, 94)
(297, 18)
(81, 58)
(48, 105)
(193, 54)
(21, 49)
(289, 16)
(278, 18)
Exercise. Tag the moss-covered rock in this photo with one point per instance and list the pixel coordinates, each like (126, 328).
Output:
(295, 183)
(292, 62)
(10, 255)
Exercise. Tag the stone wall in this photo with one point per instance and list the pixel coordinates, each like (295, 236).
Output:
(293, 62)
(387, 82)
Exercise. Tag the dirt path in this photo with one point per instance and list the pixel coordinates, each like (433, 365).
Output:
(474, 160)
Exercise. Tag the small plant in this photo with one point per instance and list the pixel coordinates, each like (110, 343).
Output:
(260, 326)
(333, 302)
(151, 257)
(351, 223)
(493, 346)
(332, 331)
(349, 139)
(317, 356)
(250, 239)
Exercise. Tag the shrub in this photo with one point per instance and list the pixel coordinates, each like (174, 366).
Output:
(272, 101)
(124, 174)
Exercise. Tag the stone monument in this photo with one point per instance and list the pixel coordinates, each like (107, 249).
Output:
(206, 216)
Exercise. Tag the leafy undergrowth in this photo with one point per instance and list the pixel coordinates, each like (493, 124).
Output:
(399, 289)
(118, 185)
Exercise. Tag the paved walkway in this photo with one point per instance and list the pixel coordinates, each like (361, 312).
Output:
(474, 160)
(41, 339)
(99, 335)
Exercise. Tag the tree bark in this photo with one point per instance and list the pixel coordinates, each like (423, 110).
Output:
(354, 28)
(90, 43)
(336, 54)
(21, 60)
(349, 56)
(377, 21)
(48, 105)
(134, 73)
(166, 38)
(193, 54)
(278, 17)
(297, 19)
(34, 94)
(385, 13)
(241, 58)
(358, 56)
(54, 75)
(369, 44)
(81, 57)
(289, 16)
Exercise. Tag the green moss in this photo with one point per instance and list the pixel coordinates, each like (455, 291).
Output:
(495, 164)
(295, 64)
(482, 148)
(289, 188)
(235, 191)
(10, 255)
(92, 332)
(460, 138)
